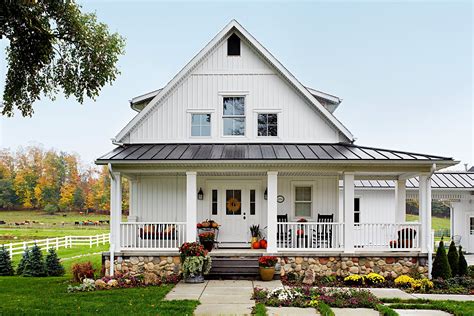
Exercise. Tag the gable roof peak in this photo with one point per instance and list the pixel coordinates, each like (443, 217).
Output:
(265, 54)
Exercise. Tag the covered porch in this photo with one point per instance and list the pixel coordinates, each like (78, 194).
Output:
(291, 190)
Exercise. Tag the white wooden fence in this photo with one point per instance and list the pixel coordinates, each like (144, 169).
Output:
(58, 242)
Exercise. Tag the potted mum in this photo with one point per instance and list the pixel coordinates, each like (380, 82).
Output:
(266, 265)
(195, 262)
(207, 240)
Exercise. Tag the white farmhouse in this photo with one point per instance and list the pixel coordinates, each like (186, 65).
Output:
(236, 138)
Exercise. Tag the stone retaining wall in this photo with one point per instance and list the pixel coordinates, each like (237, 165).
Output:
(160, 265)
(344, 266)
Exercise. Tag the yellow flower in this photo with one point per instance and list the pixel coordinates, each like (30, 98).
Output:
(404, 281)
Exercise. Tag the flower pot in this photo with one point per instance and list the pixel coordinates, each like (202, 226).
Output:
(208, 245)
(267, 273)
(194, 279)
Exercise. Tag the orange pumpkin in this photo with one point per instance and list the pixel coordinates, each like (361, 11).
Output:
(256, 245)
(263, 244)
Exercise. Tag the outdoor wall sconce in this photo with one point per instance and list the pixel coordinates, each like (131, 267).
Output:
(200, 194)
(265, 194)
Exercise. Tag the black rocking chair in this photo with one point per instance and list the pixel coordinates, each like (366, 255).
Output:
(322, 235)
(283, 232)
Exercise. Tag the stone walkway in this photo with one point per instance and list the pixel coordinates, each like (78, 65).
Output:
(234, 297)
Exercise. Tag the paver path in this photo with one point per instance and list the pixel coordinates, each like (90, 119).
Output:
(234, 297)
(420, 312)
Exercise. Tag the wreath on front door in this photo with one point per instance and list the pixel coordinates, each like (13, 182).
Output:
(233, 205)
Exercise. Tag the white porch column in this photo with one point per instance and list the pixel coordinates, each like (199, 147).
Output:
(425, 211)
(400, 201)
(115, 210)
(272, 193)
(348, 202)
(191, 205)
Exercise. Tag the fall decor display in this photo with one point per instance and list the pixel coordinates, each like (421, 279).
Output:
(266, 265)
(233, 205)
(263, 244)
(255, 233)
(256, 245)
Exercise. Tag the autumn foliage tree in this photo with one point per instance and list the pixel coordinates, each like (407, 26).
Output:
(34, 178)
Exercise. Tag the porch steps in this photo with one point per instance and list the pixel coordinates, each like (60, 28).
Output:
(234, 268)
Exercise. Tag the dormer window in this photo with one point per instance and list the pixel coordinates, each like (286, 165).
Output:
(233, 45)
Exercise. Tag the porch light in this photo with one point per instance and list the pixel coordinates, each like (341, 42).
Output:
(265, 194)
(200, 194)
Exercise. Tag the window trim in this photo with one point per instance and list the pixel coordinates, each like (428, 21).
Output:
(294, 185)
(222, 116)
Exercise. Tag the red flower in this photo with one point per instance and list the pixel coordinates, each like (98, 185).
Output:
(267, 261)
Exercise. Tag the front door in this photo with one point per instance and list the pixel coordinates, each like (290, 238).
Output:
(234, 207)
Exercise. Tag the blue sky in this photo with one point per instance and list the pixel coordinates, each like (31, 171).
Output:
(404, 69)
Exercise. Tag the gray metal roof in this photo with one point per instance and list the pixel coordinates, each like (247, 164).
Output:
(439, 180)
(262, 151)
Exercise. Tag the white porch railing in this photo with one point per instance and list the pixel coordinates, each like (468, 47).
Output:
(152, 235)
(387, 236)
(304, 236)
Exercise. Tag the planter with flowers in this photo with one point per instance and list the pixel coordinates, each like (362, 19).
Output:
(207, 240)
(195, 262)
(266, 266)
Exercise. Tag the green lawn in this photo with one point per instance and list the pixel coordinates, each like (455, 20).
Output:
(48, 296)
(437, 223)
(456, 308)
(47, 226)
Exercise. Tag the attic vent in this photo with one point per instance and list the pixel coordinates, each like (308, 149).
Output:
(233, 45)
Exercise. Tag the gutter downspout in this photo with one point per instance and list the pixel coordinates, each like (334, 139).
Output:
(431, 233)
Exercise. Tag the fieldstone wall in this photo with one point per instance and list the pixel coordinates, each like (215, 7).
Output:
(158, 265)
(344, 266)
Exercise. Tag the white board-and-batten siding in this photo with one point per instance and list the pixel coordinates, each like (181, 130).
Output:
(219, 75)
(162, 199)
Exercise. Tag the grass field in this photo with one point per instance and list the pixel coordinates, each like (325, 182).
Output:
(47, 226)
(437, 223)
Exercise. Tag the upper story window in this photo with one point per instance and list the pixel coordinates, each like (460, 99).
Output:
(233, 45)
(234, 116)
(200, 125)
(267, 125)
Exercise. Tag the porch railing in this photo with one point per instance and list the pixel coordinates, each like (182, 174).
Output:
(387, 236)
(304, 236)
(152, 235)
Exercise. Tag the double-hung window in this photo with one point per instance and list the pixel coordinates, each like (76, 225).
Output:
(267, 124)
(303, 201)
(234, 116)
(356, 210)
(200, 125)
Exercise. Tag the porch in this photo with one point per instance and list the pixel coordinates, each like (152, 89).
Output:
(333, 225)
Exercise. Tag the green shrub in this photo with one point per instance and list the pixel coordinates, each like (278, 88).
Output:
(53, 266)
(441, 268)
(5, 262)
(462, 268)
(453, 259)
(24, 259)
(35, 266)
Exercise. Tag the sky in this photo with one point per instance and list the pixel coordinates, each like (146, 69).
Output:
(403, 69)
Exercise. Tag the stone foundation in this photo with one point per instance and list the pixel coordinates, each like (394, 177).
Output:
(344, 266)
(160, 265)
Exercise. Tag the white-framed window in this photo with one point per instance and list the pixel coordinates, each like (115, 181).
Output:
(233, 116)
(356, 210)
(303, 201)
(200, 124)
(471, 225)
(267, 124)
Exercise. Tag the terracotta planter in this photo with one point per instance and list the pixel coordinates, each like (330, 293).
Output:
(208, 245)
(266, 274)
